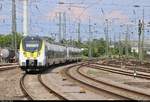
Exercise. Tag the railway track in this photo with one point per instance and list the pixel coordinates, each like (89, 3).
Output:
(129, 67)
(99, 85)
(51, 90)
(9, 66)
(24, 89)
(120, 71)
(30, 96)
(125, 91)
(85, 82)
(74, 73)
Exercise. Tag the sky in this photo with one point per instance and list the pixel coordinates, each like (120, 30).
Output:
(44, 19)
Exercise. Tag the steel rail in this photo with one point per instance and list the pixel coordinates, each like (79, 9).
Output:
(129, 67)
(8, 67)
(129, 91)
(24, 89)
(51, 90)
(30, 96)
(67, 73)
(6, 64)
(123, 72)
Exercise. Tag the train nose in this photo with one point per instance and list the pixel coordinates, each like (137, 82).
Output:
(31, 62)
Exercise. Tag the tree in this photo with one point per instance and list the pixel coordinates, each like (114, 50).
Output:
(6, 40)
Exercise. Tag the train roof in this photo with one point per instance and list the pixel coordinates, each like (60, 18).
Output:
(55, 47)
(32, 38)
(60, 48)
(74, 49)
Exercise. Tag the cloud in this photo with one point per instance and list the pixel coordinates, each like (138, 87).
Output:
(74, 12)
(19, 14)
(80, 13)
(4, 17)
(52, 14)
(118, 15)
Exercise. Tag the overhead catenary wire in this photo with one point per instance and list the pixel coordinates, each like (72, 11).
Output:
(38, 10)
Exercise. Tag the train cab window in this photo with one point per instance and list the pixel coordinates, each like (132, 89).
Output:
(32, 44)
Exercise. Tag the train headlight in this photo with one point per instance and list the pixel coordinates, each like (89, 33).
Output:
(23, 63)
(39, 53)
(40, 64)
(24, 53)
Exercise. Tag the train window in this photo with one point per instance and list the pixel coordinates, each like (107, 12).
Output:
(52, 54)
(31, 45)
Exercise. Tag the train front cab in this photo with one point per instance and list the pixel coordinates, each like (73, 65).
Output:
(32, 61)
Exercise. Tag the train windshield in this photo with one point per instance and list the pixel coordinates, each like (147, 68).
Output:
(32, 45)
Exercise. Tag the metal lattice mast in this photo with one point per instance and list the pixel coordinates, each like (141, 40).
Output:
(14, 38)
(64, 26)
(79, 32)
(139, 40)
(107, 38)
(126, 42)
(142, 43)
(114, 44)
(90, 41)
(60, 29)
(120, 51)
(25, 17)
